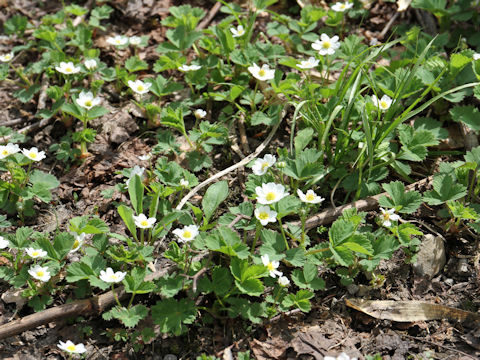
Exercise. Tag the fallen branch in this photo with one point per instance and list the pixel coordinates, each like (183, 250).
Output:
(369, 203)
(211, 14)
(96, 304)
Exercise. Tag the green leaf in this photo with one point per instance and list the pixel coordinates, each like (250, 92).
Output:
(134, 64)
(172, 315)
(127, 216)
(48, 181)
(295, 256)
(286, 206)
(96, 112)
(404, 202)
(415, 143)
(444, 189)
(170, 285)
(457, 63)
(222, 280)
(405, 233)
(460, 211)
(359, 243)
(129, 317)
(251, 287)
(340, 231)
(302, 139)
(262, 118)
(25, 95)
(135, 190)
(213, 197)
(301, 300)
(469, 115)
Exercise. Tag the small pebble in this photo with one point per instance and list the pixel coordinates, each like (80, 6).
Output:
(462, 267)
(449, 282)
(170, 357)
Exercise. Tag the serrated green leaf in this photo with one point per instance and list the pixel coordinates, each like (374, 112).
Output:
(129, 317)
(469, 115)
(172, 315)
(404, 202)
(134, 64)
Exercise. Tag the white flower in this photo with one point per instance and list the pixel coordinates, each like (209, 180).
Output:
(87, 100)
(67, 68)
(341, 7)
(184, 183)
(283, 281)
(271, 266)
(388, 216)
(71, 348)
(139, 86)
(117, 40)
(186, 234)
(265, 215)
(90, 64)
(239, 31)
(476, 56)
(3, 243)
(7, 57)
(342, 356)
(308, 64)
(384, 103)
(145, 157)
(40, 273)
(186, 67)
(270, 193)
(35, 253)
(142, 222)
(326, 45)
(109, 276)
(260, 166)
(79, 239)
(135, 40)
(200, 114)
(136, 170)
(9, 149)
(281, 164)
(34, 154)
(310, 197)
(263, 73)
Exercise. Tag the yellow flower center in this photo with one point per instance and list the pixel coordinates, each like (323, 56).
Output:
(40, 273)
(263, 216)
(383, 104)
(326, 45)
(68, 69)
(35, 253)
(113, 277)
(71, 348)
(118, 41)
(4, 152)
(32, 155)
(261, 72)
(270, 267)
(88, 103)
(144, 223)
(240, 32)
(187, 234)
(310, 197)
(264, 165)
(342, 6)
(140, 88)
(270, 196)
(386, 216)
(76, 244)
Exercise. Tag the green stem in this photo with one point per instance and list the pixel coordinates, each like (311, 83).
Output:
(142, 237)
(115, 295)
(283, 233)
(131, 301)
(257, 235)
